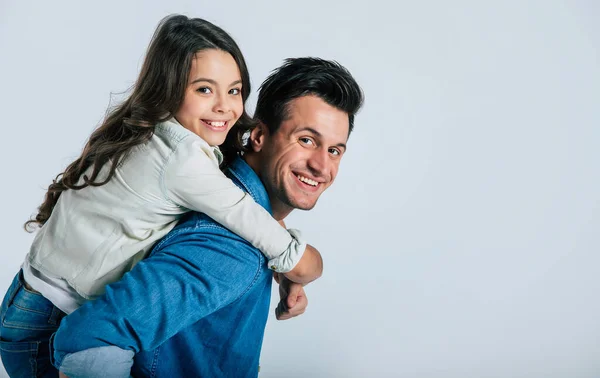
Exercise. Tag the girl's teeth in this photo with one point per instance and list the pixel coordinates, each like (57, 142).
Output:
(217, 124)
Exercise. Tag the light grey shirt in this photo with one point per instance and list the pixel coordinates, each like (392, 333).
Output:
(97, 234)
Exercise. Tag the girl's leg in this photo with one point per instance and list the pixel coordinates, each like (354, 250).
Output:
(27, 320)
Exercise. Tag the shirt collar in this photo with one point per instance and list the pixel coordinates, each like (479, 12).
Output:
(245, 177)
(215, 149)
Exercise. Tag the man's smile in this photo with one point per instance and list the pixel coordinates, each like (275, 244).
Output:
(307, 183)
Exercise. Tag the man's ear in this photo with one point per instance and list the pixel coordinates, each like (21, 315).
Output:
(257, 137)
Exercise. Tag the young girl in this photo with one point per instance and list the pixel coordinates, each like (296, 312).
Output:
(152, 160)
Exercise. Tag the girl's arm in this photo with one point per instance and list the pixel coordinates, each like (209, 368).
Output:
(192, 179)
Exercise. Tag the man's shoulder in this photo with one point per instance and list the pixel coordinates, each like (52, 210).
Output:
(200, 229)
(202, 244)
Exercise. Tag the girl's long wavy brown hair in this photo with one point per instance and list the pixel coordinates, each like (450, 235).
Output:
(156, 97)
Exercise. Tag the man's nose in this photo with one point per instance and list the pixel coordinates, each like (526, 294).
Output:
(319, 162)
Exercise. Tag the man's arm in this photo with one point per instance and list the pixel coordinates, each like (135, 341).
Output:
(182, 282)
(309, 268)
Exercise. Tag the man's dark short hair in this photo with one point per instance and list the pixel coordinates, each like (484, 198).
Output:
(299, 77)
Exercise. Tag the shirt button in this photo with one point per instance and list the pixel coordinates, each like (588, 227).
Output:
(274, 267)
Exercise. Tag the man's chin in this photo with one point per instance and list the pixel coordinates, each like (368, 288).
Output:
(305, 208)
(303, 205)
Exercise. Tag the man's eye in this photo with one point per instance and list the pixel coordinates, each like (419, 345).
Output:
(235, 91)
(306, 140)
(204, 90)
(334, 151)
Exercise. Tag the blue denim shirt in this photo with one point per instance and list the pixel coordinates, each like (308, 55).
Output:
(197, 306)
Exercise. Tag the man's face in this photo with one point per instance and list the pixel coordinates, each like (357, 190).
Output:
(301, 159)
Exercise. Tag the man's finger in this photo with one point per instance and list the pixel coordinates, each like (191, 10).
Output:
(281, 311)
(296, 291)
(291, 300)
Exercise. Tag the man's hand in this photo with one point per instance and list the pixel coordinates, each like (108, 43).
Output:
(292, 301)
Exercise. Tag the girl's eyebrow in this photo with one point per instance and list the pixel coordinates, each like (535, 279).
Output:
(214, 82)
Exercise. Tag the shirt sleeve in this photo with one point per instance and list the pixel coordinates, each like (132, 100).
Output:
(192, 179)
(175, 287)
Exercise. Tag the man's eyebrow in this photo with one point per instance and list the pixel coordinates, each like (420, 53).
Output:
(214, 82)
(318, 134)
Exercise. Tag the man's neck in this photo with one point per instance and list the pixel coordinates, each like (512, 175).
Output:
(279, 210)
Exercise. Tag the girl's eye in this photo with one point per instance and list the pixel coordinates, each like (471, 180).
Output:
(306, 140)
(204, 90)
(235, 91)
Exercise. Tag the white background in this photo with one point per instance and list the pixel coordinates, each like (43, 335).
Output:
(461, 238)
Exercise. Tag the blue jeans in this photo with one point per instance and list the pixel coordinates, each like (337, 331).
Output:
(101, 362)
(27, 322)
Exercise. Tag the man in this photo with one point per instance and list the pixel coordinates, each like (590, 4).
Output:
(198, 305)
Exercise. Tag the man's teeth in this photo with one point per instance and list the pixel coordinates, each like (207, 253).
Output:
(216, 124)
(307, 180)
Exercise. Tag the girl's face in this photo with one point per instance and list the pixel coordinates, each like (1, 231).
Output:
(213, 98)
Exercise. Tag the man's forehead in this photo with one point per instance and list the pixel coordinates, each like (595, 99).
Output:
(313, 113)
